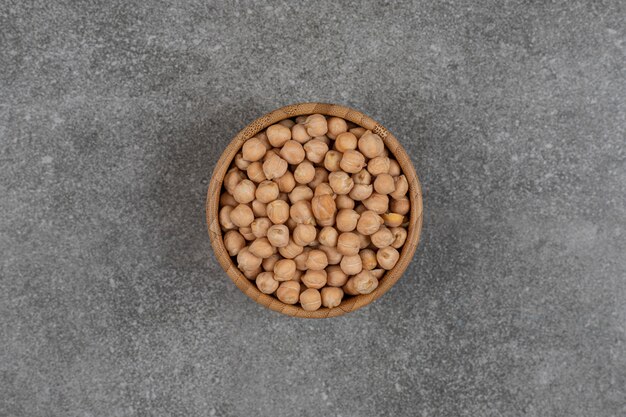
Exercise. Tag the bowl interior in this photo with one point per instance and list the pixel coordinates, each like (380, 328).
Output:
(215, 190)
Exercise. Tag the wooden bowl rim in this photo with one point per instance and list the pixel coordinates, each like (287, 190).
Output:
(290, 111)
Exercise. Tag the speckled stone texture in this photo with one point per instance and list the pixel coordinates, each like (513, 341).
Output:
(112, 115)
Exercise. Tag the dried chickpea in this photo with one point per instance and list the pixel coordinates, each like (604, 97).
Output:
(263, 138)
(393, 219)
(253, 150)
(362, 177)
(349, 287)
(255, 172)
(275, 167)
(266, 192)
(321, 175)
(291, 224)
(324, 139)
(297, 277)
(232, 178)
(284, 197)
(335, 277)
(266, 283)
(394, 168)
(304, 234)
(315, 150)
(269, 262)
(284, 269)
(360, 209)
(357, 131)
(331, 296)
(323, 207)
(300, 260)
(317, 260)
(378, 272)
(291, 250)
(364, 240)
(378, 165)
(401, 187)
(387, 257)
(233, 242)
(304, 173)
(362, 283)
(384, 184)
(278, 211)
(336, 126)
(324, 189)
(246, 261)
(260, 226)
(346, 142)
(371, 145)
(287, 123)
(247, 234)
(244, 191)
(286, 183)
(288, 292)
(262, 248)
(252, 273)
(352, 161)
(299, 134)
(227, 199)
(299, 193)
(314, 278)
(348, 243)
(241, 216)
(278, 235)
(382, 238)
(378, 203)
(316, 125)
(301, 212)
(346, 220)
(368, 259)
(369, 223)
(224, 217)
(310, 299)
(325, 222)
(361, 192)
(399, 234)
(401, 205)
(340, 182)
(259, 209)
(351, 264)
(292, 152)
(333, 256)
(241, 163)
(343, 201)
(278, 135)
(328, 236)
(332, 161)
(270, 154)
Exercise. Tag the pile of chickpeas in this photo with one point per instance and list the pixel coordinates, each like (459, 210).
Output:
(314, 209)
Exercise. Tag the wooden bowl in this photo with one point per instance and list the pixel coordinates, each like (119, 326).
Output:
(215, 189)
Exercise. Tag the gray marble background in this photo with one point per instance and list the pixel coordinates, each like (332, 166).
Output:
(113, 114)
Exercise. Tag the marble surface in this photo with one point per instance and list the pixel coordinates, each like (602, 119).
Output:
(112, 115)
